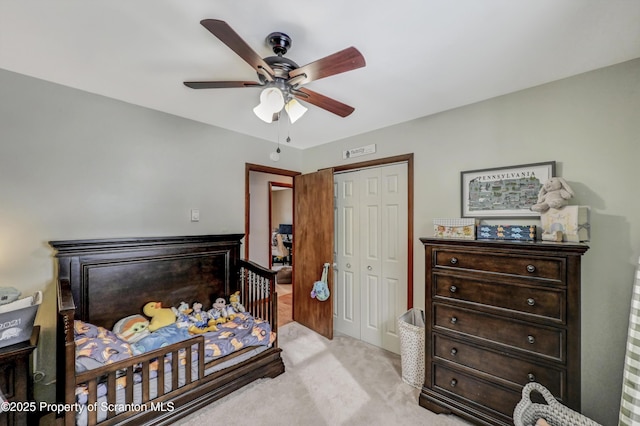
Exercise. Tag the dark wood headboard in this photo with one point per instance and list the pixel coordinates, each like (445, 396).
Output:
(113, 278)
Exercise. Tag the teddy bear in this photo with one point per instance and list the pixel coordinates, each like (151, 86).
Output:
(555, 193)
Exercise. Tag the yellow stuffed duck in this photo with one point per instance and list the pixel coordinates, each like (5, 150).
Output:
(160, 317)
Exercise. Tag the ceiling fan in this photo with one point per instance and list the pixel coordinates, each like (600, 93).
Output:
(280, 77)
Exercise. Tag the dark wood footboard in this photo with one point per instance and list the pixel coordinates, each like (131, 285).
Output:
(101, 281)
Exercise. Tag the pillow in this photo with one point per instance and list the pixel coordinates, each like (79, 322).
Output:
(132, 328)
(97, 346)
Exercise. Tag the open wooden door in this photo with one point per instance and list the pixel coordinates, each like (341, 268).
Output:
(313, 247)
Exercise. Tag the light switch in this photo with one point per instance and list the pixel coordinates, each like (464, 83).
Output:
(195, 215)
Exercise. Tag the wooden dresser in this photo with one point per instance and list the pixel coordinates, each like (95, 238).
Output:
(498, 315)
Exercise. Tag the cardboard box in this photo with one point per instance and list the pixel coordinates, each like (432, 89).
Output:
(17, 318)
(573, 221)
(455, 228)
(507, 232)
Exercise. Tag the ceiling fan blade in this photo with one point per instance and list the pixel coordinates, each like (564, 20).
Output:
(220, 84)
(342, 61)
(323, 102)
(228, 36)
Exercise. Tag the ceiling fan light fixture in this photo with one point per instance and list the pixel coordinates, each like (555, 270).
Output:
(295, 110)
(263, 113)
(271, 102)
(272, 98)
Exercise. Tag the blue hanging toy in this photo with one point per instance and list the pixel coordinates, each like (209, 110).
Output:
(321, 288)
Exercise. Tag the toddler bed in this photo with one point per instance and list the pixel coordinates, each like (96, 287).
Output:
(103, 281)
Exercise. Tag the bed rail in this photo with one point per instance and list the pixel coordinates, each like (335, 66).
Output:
(164, 361)
(258, 290)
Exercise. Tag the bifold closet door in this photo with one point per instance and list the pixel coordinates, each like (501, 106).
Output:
(371, 245)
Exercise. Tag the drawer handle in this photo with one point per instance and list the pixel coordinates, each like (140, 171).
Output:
(531, 301)
(453, 289)
(454, 260)
(531, 339)
(531, 377)
(531, 269)
(454, 352)
(454, 382)
(454, 320)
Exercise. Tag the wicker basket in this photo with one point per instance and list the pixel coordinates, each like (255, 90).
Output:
(528, 412)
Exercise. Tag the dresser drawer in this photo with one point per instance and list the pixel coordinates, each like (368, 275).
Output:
(545, 341)
(471, 389)
(514, 370)
(526, 266)
(539, 301)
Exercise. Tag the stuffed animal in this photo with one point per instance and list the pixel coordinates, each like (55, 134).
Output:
(555, 193)
(234, 302)
(218, 312)
(200, 320)
(182, 315)
(160, 316)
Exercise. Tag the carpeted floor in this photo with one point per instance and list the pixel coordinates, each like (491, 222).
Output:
(343, 381)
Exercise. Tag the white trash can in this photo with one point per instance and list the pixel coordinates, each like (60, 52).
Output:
(412, 346)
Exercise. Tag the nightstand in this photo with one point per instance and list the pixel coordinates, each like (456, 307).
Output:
(16, 380)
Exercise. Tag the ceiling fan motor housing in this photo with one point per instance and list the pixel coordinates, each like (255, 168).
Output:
(279, 42)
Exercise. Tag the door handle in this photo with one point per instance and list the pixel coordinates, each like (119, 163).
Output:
(370, 268)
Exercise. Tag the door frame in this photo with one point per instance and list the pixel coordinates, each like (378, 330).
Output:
(248, 168)
(408, 158)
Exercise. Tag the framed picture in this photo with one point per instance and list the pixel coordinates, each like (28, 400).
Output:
(505, 191)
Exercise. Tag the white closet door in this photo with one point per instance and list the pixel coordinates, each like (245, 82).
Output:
(394, 257)
(371, 253)
(346, 289)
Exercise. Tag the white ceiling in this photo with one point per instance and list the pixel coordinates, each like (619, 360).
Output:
(423, 56)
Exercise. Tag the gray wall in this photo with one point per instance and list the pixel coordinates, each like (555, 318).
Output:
(76, 165)
(590, 125)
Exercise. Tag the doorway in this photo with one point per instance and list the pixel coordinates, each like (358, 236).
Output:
(280, 248)
(269, 204)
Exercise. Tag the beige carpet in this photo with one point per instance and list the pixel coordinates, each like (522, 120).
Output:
(327, 382)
